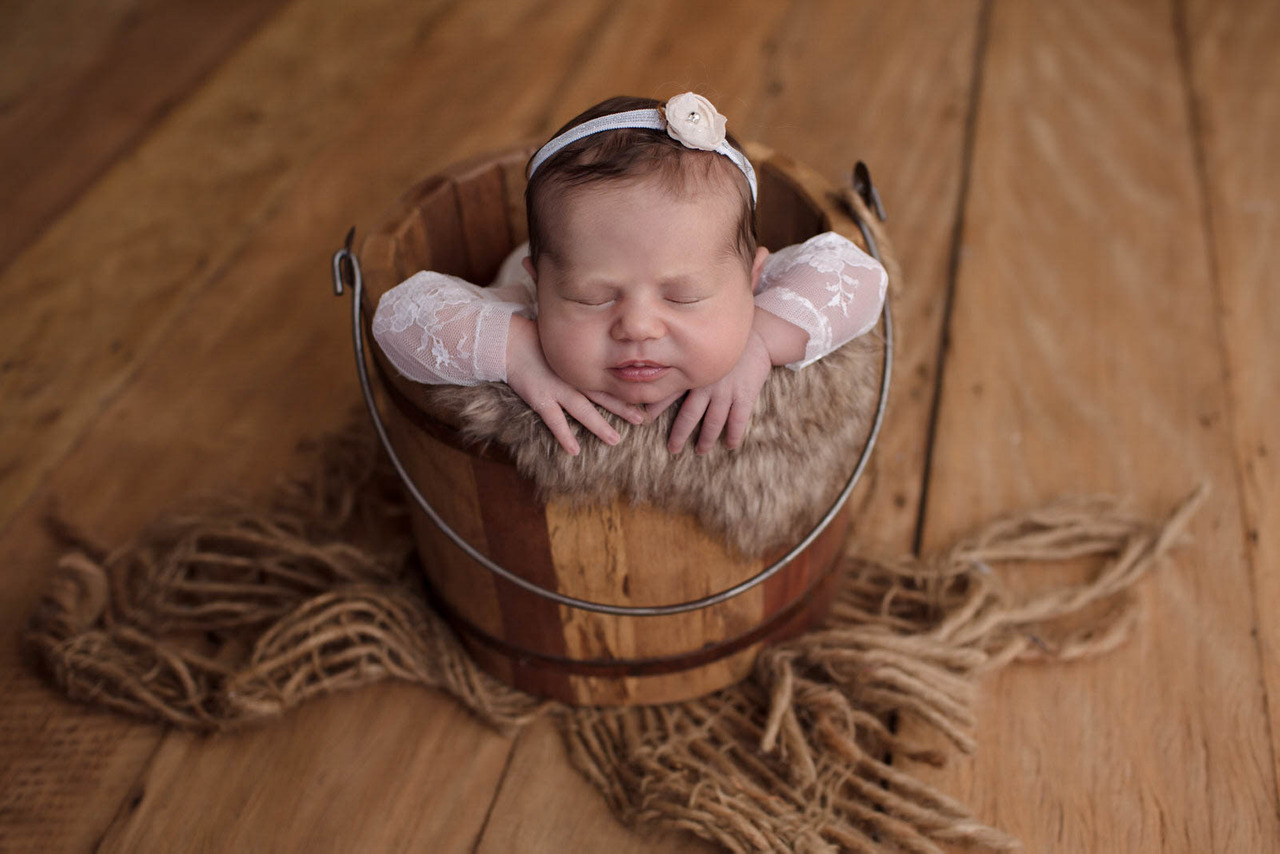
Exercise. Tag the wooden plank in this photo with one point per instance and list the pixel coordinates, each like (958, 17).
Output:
(64, 769)
(1085, 356)
(145, 61)
(482, 210)
(376, 734)
(42, 40)
(516, 536)
(547, 785)
(664, 48)
(250, 366)
(860, 81)
(1235, 74)
(90, 300)
(829, 83)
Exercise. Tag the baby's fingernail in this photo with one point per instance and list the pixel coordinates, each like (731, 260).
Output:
(636, 418)
(573, 450)
(613, 439)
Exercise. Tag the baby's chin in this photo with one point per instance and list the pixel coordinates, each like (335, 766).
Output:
(641, 395)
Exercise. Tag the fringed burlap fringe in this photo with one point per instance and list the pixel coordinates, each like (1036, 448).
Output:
(230, 610)
(233, 611)
(801, 757)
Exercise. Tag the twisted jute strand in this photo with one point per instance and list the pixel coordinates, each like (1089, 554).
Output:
(234, 611)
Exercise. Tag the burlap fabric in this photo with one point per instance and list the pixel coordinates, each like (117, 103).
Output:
(228, 612)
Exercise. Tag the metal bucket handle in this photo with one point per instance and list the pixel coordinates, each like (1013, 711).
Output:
(346, 272)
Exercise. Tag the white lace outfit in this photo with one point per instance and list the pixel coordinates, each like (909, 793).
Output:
(439, 329)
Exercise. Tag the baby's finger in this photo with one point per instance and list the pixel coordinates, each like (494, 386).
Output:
(712, 424)
(688, 418)
(618, 406)
(558, 425)
(588, 416)
(736, 428)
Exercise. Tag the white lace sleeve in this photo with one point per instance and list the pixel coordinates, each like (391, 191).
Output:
(828, 287)
(439, 329)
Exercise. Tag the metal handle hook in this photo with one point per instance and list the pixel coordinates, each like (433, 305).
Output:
(864, 187)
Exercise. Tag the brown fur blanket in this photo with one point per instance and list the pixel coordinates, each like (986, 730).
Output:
(803, 442)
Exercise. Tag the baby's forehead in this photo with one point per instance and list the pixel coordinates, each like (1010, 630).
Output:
(645, 201)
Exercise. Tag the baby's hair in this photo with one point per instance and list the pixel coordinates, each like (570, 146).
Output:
(630, 154)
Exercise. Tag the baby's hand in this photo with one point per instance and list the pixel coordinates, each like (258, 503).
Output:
(531, 377)
(725, 404)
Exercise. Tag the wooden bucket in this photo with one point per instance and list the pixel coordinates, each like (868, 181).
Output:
(464, 222)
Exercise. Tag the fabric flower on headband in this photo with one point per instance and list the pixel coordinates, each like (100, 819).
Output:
(693, 122)
(689, 119)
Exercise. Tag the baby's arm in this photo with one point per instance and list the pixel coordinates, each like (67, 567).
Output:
(813, 298)
(828, 288)
(439, 329)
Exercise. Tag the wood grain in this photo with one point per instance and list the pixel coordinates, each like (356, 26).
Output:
(42, 40)
(353, 774)
(1084, 357)
(140, 61)
(95, 278)
(90, 300)
(1235, 74)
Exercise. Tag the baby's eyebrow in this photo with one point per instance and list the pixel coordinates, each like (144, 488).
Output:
(590, 281)
(678, 281)
(573, 287)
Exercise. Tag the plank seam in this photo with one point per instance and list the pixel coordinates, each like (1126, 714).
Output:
(201, 280)
(497, 791)
(134, 795)
(953, 265)
(1200, 158)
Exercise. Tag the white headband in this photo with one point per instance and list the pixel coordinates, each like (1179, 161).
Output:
(689, 119)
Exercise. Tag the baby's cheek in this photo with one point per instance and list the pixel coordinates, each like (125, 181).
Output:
(723, 343)
(562, 346)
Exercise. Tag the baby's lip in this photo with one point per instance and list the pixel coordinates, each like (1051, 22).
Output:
(639, 371)
(639, 363)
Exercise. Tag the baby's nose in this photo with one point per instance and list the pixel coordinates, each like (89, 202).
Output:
(638, 323)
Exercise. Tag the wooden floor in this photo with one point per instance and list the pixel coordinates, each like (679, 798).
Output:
(1086, 199)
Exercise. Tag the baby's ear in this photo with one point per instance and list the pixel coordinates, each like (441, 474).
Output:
(530, 269)
(757, 267)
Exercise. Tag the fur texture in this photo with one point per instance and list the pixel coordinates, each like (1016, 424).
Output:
(804, 439)
(803, 442)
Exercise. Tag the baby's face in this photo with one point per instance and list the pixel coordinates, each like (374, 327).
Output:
(644, 295)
